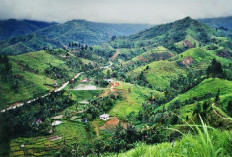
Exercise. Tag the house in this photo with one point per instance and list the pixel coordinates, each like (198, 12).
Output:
(104, 117)
(109, 80)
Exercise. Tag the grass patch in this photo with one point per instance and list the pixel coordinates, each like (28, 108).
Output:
(133, 97)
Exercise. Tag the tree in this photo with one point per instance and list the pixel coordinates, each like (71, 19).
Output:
(197, 109)
(217, 98)
(108, 73)
(229, 107)
(174, 119)
(215, 69)
(118, 139)
(113, 37)
(206, 105)
(98, 145)
(187, 118)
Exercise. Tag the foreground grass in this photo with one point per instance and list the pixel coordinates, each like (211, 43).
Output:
(208, 142)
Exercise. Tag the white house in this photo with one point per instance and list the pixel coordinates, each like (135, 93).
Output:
(104, 117)
(109, 80)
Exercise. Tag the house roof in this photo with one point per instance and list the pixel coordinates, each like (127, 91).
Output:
(104, 115)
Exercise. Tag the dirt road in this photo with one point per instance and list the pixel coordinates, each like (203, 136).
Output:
(13, 106)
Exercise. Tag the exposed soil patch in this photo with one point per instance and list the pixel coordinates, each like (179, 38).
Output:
(188, 43)
(112, 90)
(142, 59)
(58, 117)
(53, 138)
(112, 124)
(115, 55)
(74, 117)
(187, 61)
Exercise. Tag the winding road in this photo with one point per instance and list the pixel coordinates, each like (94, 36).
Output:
(32, 100)
(13, 106)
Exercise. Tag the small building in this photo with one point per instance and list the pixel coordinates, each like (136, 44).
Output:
(109, 80)
(104, 117)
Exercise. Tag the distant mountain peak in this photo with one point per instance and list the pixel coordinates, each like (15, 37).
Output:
(176, 34)
(188, 18)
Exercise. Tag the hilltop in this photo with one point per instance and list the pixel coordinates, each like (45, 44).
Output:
(60, 35)
(12, 27)
(176, 36)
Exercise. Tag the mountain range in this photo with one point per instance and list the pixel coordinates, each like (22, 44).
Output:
(167, 89)
(58, 35)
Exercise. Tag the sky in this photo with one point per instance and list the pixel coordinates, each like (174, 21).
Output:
(114, 11)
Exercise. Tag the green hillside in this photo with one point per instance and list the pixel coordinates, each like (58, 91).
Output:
(26, 43)
(12, 28)
(221, 24)
(133, 97)
(58, 35)
(177, 36)
(207, 89)
(160, 73)
(35, 73)
(164, 91)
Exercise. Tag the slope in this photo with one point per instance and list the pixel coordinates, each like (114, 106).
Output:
(133, 97)
(58, 35)
(176, 36)
(12, 28)
(36, 73)
(221, 24)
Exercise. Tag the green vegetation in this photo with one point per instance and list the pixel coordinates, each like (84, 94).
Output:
(157, 86)
(11, 28)
(206, 89)
(59, 35)
(133, 97)
(160, 73)
(208, 142)
(28, 73)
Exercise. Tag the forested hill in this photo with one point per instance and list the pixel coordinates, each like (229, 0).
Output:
(12, 28)
(176, 36)
(222, 24)
(225, 22)
(58, 35)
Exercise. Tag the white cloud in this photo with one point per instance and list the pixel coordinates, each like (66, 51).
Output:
(120, 11)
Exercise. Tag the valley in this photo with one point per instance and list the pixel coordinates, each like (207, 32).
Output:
(164, 91)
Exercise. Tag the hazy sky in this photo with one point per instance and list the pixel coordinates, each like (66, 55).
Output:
(119, 11)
